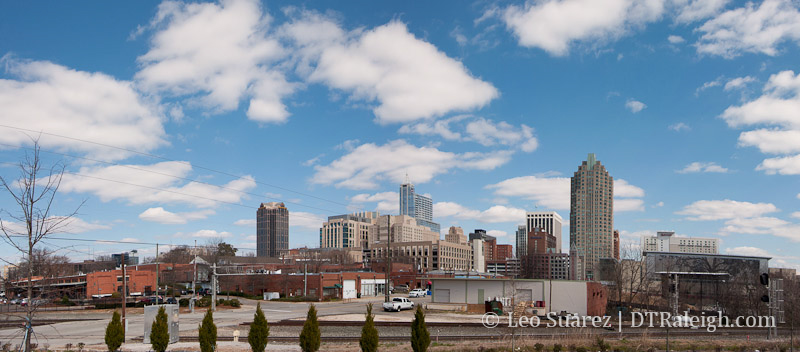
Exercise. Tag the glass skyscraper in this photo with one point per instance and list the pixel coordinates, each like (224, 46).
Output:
(418, 206)
(591, 215)
(272, 229)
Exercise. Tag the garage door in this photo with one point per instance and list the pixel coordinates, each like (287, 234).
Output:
(349, 289)
(441, 295)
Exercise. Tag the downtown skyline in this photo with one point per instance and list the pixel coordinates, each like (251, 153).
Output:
(488, 109)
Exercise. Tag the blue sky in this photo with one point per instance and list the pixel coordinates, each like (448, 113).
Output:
(213, 108)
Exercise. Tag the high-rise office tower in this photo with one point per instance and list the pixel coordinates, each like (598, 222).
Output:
(417, 206)
(522, 240)
(591, 215)
(549, 221)
(272, 229)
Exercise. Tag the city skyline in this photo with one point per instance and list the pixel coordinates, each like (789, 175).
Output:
(488, 114)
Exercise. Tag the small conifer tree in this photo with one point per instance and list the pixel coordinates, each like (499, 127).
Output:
(310, 336)
(369, 334)
(159, 331)
(258, 335)
(208, 333)
(115, 336)
(420, 336)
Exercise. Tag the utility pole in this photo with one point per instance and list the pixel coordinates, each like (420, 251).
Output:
(214, 287)
(124, 296)
(157, 273)
(388, 256)
(194, 276)
(305, 279)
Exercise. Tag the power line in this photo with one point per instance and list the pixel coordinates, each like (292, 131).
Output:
(168, 159)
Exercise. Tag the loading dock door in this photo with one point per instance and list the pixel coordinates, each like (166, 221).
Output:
(349, 289)
(441, 295)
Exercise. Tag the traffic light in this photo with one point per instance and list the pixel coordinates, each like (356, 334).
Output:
(764, 278)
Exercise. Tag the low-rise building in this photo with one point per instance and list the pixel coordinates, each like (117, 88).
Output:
(666, 241)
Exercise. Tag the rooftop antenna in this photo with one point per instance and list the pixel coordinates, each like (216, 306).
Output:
(407, 177)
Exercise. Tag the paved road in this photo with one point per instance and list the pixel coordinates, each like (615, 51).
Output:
(93, 331)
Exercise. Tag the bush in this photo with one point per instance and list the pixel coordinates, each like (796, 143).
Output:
(235, 303)
(183, 302)
(258, 335)
(310, 336)
(557, 347)
(420, 336)
(369, 334)
(208, 333)
(601, 344)
(538, 347)
(204, 302)
(115, 336)
(66, 302)
(581, 349)
(159, 331)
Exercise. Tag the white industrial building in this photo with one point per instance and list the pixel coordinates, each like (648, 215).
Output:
(545, 296)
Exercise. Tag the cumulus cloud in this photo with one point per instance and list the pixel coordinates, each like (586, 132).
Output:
(725, 209)
(245, 222)
(695, 10)
(155, 183)
(754, 28)
(408, 78)
(162, 216)
(554, 25)
(483, 131)
(497, 213)
(553, 192)
(635, 106)
(675, 39)
(368, 164)
(496, 233)
(680, 126)
(772, 141)
(43, 96)
(789, 165)
(387, 202)
(738, 82)
(203, 234)
(216, 55)
(307, 221)
(704, 167)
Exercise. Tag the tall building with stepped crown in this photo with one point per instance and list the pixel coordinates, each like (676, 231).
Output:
(272, 229)
(522, 241)
(417, 206)
(548, 221)
(455, 235)
(356, 230)
(665, 241)
(591, 215)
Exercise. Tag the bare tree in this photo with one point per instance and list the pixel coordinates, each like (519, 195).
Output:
(34, 192)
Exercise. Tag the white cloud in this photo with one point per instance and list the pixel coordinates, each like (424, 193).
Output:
(725, 209)
(368, 164)
(555, 25)
(141, 184)
(748, 251)
(483, 131)
(752, 226)
(680, 126)
(497, 213)
(387, 202)
(203, 234)
(704, 167)
(772, 141)
(162, 216)
(789, 165)
(738, 82)
(245, 222)
(61, 224)
(305, 220)
(216, 55)
(635, 106)
(797, 213)
(82, 105)
(553, 192)
(694, 10)
(623, 189)
(754, 28)
(496, 233)
(715, 83)
(675, 39)
(409, 78)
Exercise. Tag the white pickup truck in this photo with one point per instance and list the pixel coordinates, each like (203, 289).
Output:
(397, 304)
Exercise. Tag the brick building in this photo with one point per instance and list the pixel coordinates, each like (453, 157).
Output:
(320, 285)
(140, 282)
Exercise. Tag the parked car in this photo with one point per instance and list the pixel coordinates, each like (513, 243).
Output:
(397, 304)
(400, 289)
(417, 292)
(172, 300)
(14, 301)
